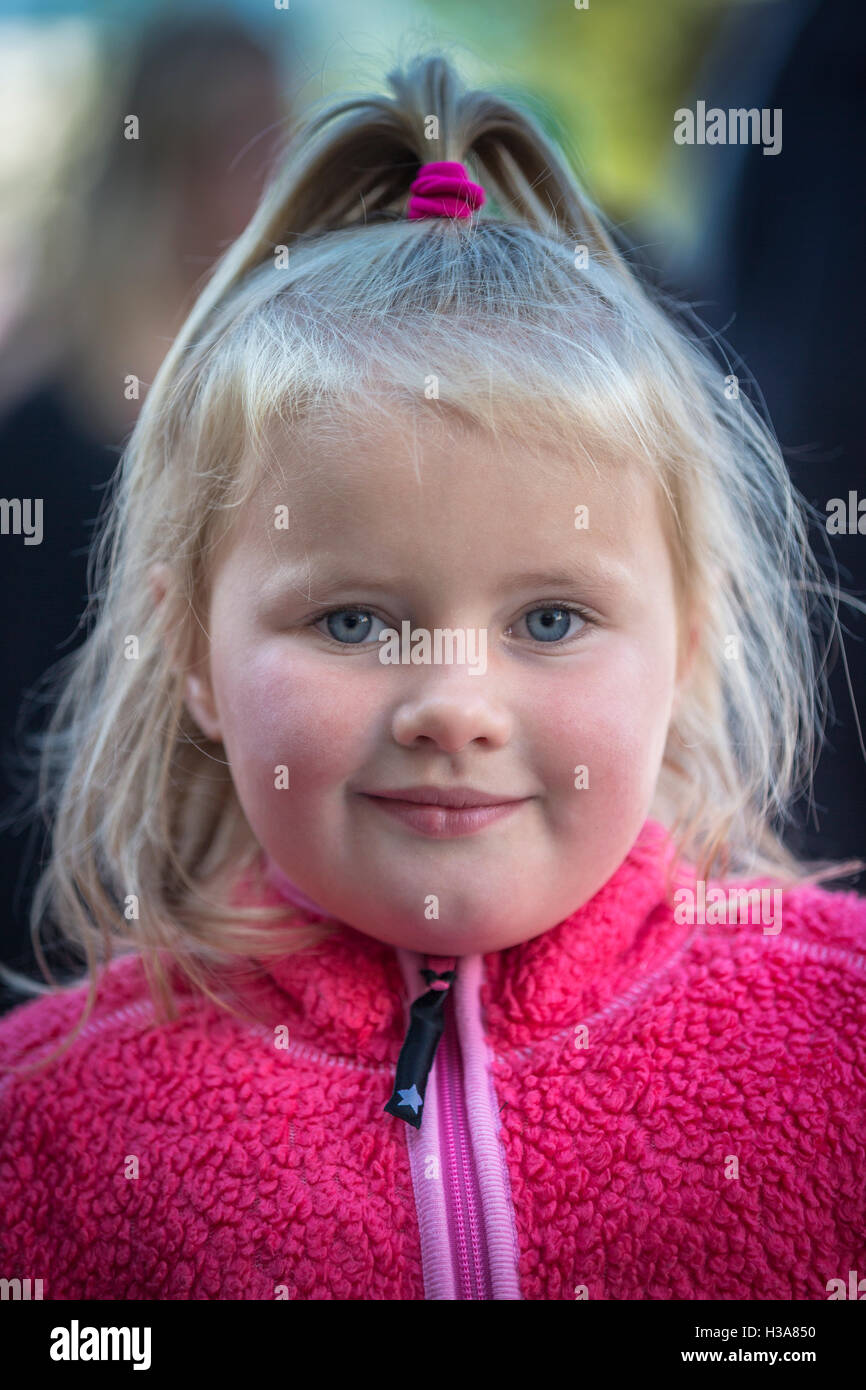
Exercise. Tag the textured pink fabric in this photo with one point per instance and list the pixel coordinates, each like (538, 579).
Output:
(265, 1172)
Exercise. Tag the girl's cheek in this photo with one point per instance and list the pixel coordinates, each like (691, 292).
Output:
(612, 718)
(297, 712)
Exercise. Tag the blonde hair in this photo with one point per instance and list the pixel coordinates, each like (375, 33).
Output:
(528, 335)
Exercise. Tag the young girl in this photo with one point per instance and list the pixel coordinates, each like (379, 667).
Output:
(416, 793)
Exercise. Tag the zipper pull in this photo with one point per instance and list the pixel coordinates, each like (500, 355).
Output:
(426, 1025)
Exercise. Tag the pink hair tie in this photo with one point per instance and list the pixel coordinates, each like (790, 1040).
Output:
(443, 189)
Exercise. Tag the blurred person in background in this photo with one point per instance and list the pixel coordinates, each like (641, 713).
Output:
(163, 208)
(775, 265)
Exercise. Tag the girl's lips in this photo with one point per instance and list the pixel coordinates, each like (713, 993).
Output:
(444, 822)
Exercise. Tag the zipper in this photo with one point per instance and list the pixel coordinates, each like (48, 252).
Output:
(468, 1234)
(462, 1193)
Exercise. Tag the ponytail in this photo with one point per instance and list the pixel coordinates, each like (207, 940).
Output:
(352, 164)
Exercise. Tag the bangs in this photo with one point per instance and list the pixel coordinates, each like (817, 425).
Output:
(578, 386)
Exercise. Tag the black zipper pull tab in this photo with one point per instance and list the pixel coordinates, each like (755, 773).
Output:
(426, 1025)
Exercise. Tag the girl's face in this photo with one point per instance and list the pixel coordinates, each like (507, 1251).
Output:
(559, 703)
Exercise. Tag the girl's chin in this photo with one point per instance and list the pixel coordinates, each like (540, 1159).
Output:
(442, 919)
(468, 941)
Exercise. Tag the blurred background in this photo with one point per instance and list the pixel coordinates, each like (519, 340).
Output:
(106, 240)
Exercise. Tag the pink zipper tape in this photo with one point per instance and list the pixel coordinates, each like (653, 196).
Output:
(428, 1152)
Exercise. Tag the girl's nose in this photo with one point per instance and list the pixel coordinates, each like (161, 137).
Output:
(451, 719)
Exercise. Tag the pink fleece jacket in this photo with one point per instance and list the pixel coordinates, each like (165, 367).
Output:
(630, 1106)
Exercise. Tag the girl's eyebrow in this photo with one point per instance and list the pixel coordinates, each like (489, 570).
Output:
(602, 572)
(316, 581)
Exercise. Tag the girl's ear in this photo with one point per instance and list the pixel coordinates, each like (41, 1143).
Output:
(199, 700)
(158, 577)
(197, 691)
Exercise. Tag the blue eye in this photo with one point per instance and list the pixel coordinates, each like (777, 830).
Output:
(353, 627)
(350, 626)
(553, 623)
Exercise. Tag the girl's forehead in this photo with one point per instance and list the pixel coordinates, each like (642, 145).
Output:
(413, 462)
(379, 501)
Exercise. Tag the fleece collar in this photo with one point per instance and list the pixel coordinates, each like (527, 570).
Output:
(346, 994)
